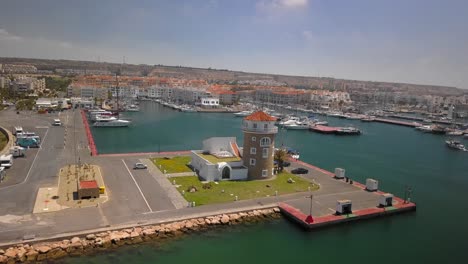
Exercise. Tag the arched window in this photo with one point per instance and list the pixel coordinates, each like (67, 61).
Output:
(265, 142)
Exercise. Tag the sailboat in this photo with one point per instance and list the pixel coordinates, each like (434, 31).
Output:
(113, 122)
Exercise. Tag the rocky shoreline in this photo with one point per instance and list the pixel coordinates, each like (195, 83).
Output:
(43, 251)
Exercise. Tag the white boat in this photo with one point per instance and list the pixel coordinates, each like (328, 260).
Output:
(133, 108)
(455, 133)
(188, 109)
(289, 121)
(321, 123)
(455, 145)
(426, 129)
(101, 118)
(112, 123)
(298, 126)
(353, 117)
(243, 113)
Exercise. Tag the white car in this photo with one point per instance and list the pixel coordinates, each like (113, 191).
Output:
(139, 166)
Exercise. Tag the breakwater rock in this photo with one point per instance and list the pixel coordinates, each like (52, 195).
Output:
(42, 251)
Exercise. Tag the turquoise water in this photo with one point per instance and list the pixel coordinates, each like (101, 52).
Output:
(396, 156)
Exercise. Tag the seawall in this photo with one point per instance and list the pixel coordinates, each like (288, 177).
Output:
(93, 242)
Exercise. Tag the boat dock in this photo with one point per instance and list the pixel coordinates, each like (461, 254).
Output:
(396, 122)
(324, 129)
(321, 210)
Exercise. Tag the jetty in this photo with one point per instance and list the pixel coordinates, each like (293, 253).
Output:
(396, 122)
(323, 208)
(324, 129)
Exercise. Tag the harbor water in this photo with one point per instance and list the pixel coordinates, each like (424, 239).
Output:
(396, 156)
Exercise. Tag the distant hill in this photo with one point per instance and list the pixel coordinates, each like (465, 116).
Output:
(227, 76)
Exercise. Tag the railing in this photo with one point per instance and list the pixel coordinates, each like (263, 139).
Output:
(261, 129)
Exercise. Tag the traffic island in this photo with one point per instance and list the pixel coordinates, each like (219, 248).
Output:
(81, 186)
(78, 186)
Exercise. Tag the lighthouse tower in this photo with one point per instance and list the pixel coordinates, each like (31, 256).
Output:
(259, 144)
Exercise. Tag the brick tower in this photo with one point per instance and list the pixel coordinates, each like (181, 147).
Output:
(259, 144)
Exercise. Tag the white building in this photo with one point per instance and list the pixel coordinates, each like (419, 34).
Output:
(207, 102)
(219, 160)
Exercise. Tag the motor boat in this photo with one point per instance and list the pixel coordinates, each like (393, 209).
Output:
(455, 133)
(298, 126)
(117, 122)
(289, 121)
(348, 131)
(426, 129)
(453, 144)
(243, 113)
(133, 108)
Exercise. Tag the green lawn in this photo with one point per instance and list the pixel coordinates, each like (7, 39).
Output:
(3, 140)
(173, 165)
(243, 189)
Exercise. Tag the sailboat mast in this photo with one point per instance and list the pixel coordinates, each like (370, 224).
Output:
(117, 89)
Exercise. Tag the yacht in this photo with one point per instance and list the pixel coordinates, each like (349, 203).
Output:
(348, 131)
(298, 126)
(425, 129)
(455, 133)
(243, 113)
(188, 109)
(112, 122)
(289, 121)
(453, 144)
(133, 108)
(104, 118)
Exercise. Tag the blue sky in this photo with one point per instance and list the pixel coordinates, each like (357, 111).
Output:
(416, 41)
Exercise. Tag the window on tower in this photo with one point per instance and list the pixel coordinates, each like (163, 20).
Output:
(265, 153)
(253, 151)
(252, 162)
(254, 139)
(265, 142)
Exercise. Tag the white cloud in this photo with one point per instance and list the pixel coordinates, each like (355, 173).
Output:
(271, 5)
(307, 34)
(5, 35)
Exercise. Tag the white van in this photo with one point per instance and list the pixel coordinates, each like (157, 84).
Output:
(57, 122)
(18, 130)
(6, 161)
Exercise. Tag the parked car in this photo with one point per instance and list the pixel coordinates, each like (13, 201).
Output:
(300, 171)
(286, 164)
(139, 166)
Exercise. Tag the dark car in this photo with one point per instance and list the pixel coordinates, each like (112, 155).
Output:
(300, 171)
(286, 164)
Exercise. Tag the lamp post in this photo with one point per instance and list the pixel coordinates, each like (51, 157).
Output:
(309, 219)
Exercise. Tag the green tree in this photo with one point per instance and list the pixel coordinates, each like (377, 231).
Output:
(281, 156)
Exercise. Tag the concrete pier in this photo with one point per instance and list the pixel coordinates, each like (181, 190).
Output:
(364, 203)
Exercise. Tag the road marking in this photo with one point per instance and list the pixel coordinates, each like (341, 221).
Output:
(32, 165)
(42, 127)
(138, 186)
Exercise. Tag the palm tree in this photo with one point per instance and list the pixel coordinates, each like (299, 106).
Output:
(280, 156)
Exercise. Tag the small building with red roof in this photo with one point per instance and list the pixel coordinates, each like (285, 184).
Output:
(88, 189)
